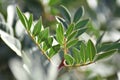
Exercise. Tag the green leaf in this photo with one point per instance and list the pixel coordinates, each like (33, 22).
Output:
(76, 55)
(45, 47)
(43, 35)
(21, 17)
(49, 41)
(81, 31)
(30, 21)
(62, 21)
(37, 27)
(81, 24)
(91, 50)
(69, 59)
(78, 44)
(70, 30)
(83, 54)
(78, 14)
(107, 47)
(26, 19)
(104, 55)
(65, 13)
(53, 50)
(60, 33)
(71, 43)
(72, 35)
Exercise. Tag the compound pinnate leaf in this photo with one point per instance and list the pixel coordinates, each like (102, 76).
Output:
(69, 59)
(81, 24)
(65, 13)
(78, 14)
(91, 50)
(104, 55)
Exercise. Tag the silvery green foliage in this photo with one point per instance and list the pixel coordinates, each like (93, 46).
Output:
(1, 18)
(32, 68)
(11, 14)
(4, 26)
(12, 42)
(6, 31)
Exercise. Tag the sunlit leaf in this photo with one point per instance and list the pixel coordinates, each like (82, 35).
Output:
(65, 13)
(72, 35)
(53, 50)
(104, 55)
(76, 55)
(45, 47)
(69, 59)
(30, 21)
(49, 41)
(70, 30)
(26, 20)
(37, 27)
(60, 33)
(21, 17)
(83, 53)
(43, 35)
(72, 43)
(81, 24)
(91, 50)
(78, 14)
